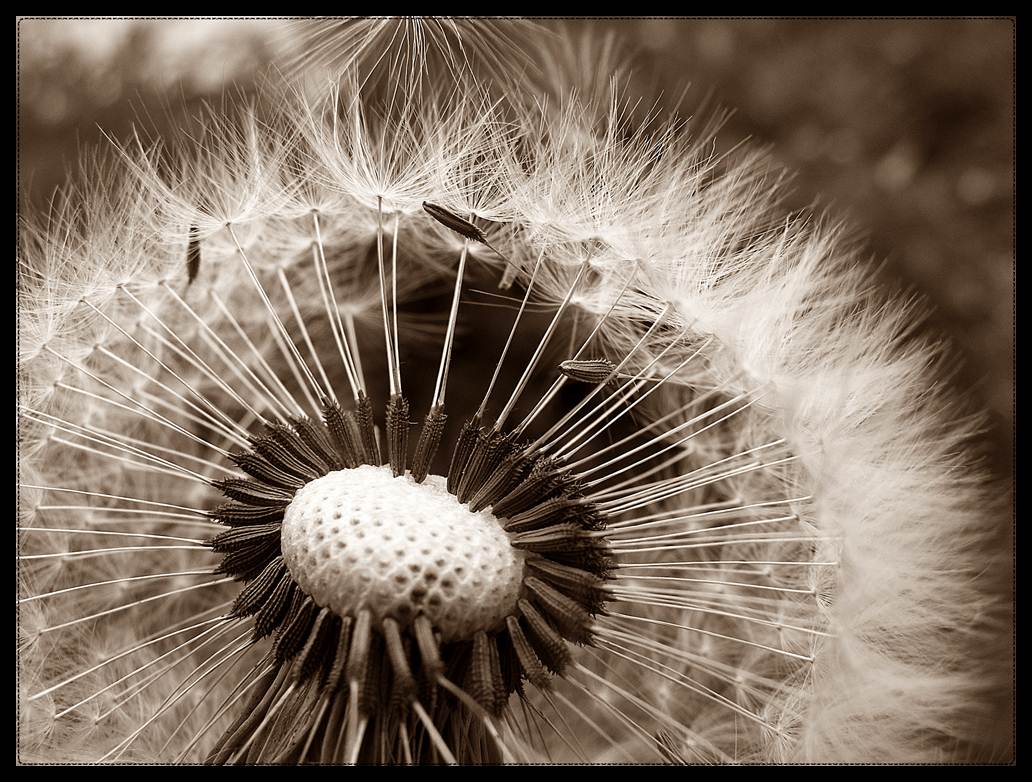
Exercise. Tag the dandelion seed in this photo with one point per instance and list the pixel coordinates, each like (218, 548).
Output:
(592, 370)
(193, 256)
(654, 563)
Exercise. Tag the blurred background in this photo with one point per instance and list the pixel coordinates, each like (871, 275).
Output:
(904, 128)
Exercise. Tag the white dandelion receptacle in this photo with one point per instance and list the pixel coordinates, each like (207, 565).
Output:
(686, 492)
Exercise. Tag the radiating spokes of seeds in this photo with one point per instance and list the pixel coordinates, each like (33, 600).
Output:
(660, 549)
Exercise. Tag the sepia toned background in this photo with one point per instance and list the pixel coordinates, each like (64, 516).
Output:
(904, 128)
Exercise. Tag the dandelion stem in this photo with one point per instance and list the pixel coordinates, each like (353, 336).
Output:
(226, 424)
(512, 332)
(442, 372)
(356, 354)
(110, 497)
(590, 723)
(262, 363)
(394, 301)
(645, 706)
(542, 343)
(560, 381)
(655, 520)
(103, 437)
(233, 653)
(85, 531)
(120, 655)
(151, 679)
(175, 470)
(602, 424)
(245, 684)
(135, 603)
(392, 372)
(145, 666)
(192, 357)
(705, 530)
(661, 490)
(274, 318)
(186, 352)
(684, 681)
(123, 580)
(333, 313)
(677, 443)
(146, 411)
(548, 439)
(158, 515)
(292, 303)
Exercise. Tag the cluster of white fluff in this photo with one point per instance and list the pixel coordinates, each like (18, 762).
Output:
(780, 306)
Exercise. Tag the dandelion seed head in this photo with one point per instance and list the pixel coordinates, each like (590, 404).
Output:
(714, 488)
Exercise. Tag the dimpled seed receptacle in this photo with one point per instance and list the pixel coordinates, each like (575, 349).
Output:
(362, 538)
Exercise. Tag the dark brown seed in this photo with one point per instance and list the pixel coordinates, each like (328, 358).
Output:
(554, 511)
(243, 537)
(404, 683)
(429, 442)
(485, 675)
(557, 538)
(317, 440)
(594, 370)
(489, 450)
(339, 426)
(542, 484)
(586, 588)
(253, 596)
(461, 454)
(451, 220)
(367, 431)
(549, 645)
(316, 647)
(193, 256)
(269, 615)
(261, 468)
(246, 563)
(235, 514)
(397, 433)
(569, 616)
(335, 674)
(594, 559)
(512, 671)
(503, 480)
(358, 666)
(295, 629)
(328, 648)
(253, 492)
(531, 664)
(284, 448)
(500, 692)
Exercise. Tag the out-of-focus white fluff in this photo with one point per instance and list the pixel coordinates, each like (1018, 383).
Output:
(885, 449)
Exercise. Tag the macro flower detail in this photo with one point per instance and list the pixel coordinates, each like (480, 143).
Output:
(424, 573)
(401, 422)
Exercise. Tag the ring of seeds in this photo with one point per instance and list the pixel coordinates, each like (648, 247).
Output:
(444, 592)
(371, 577)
